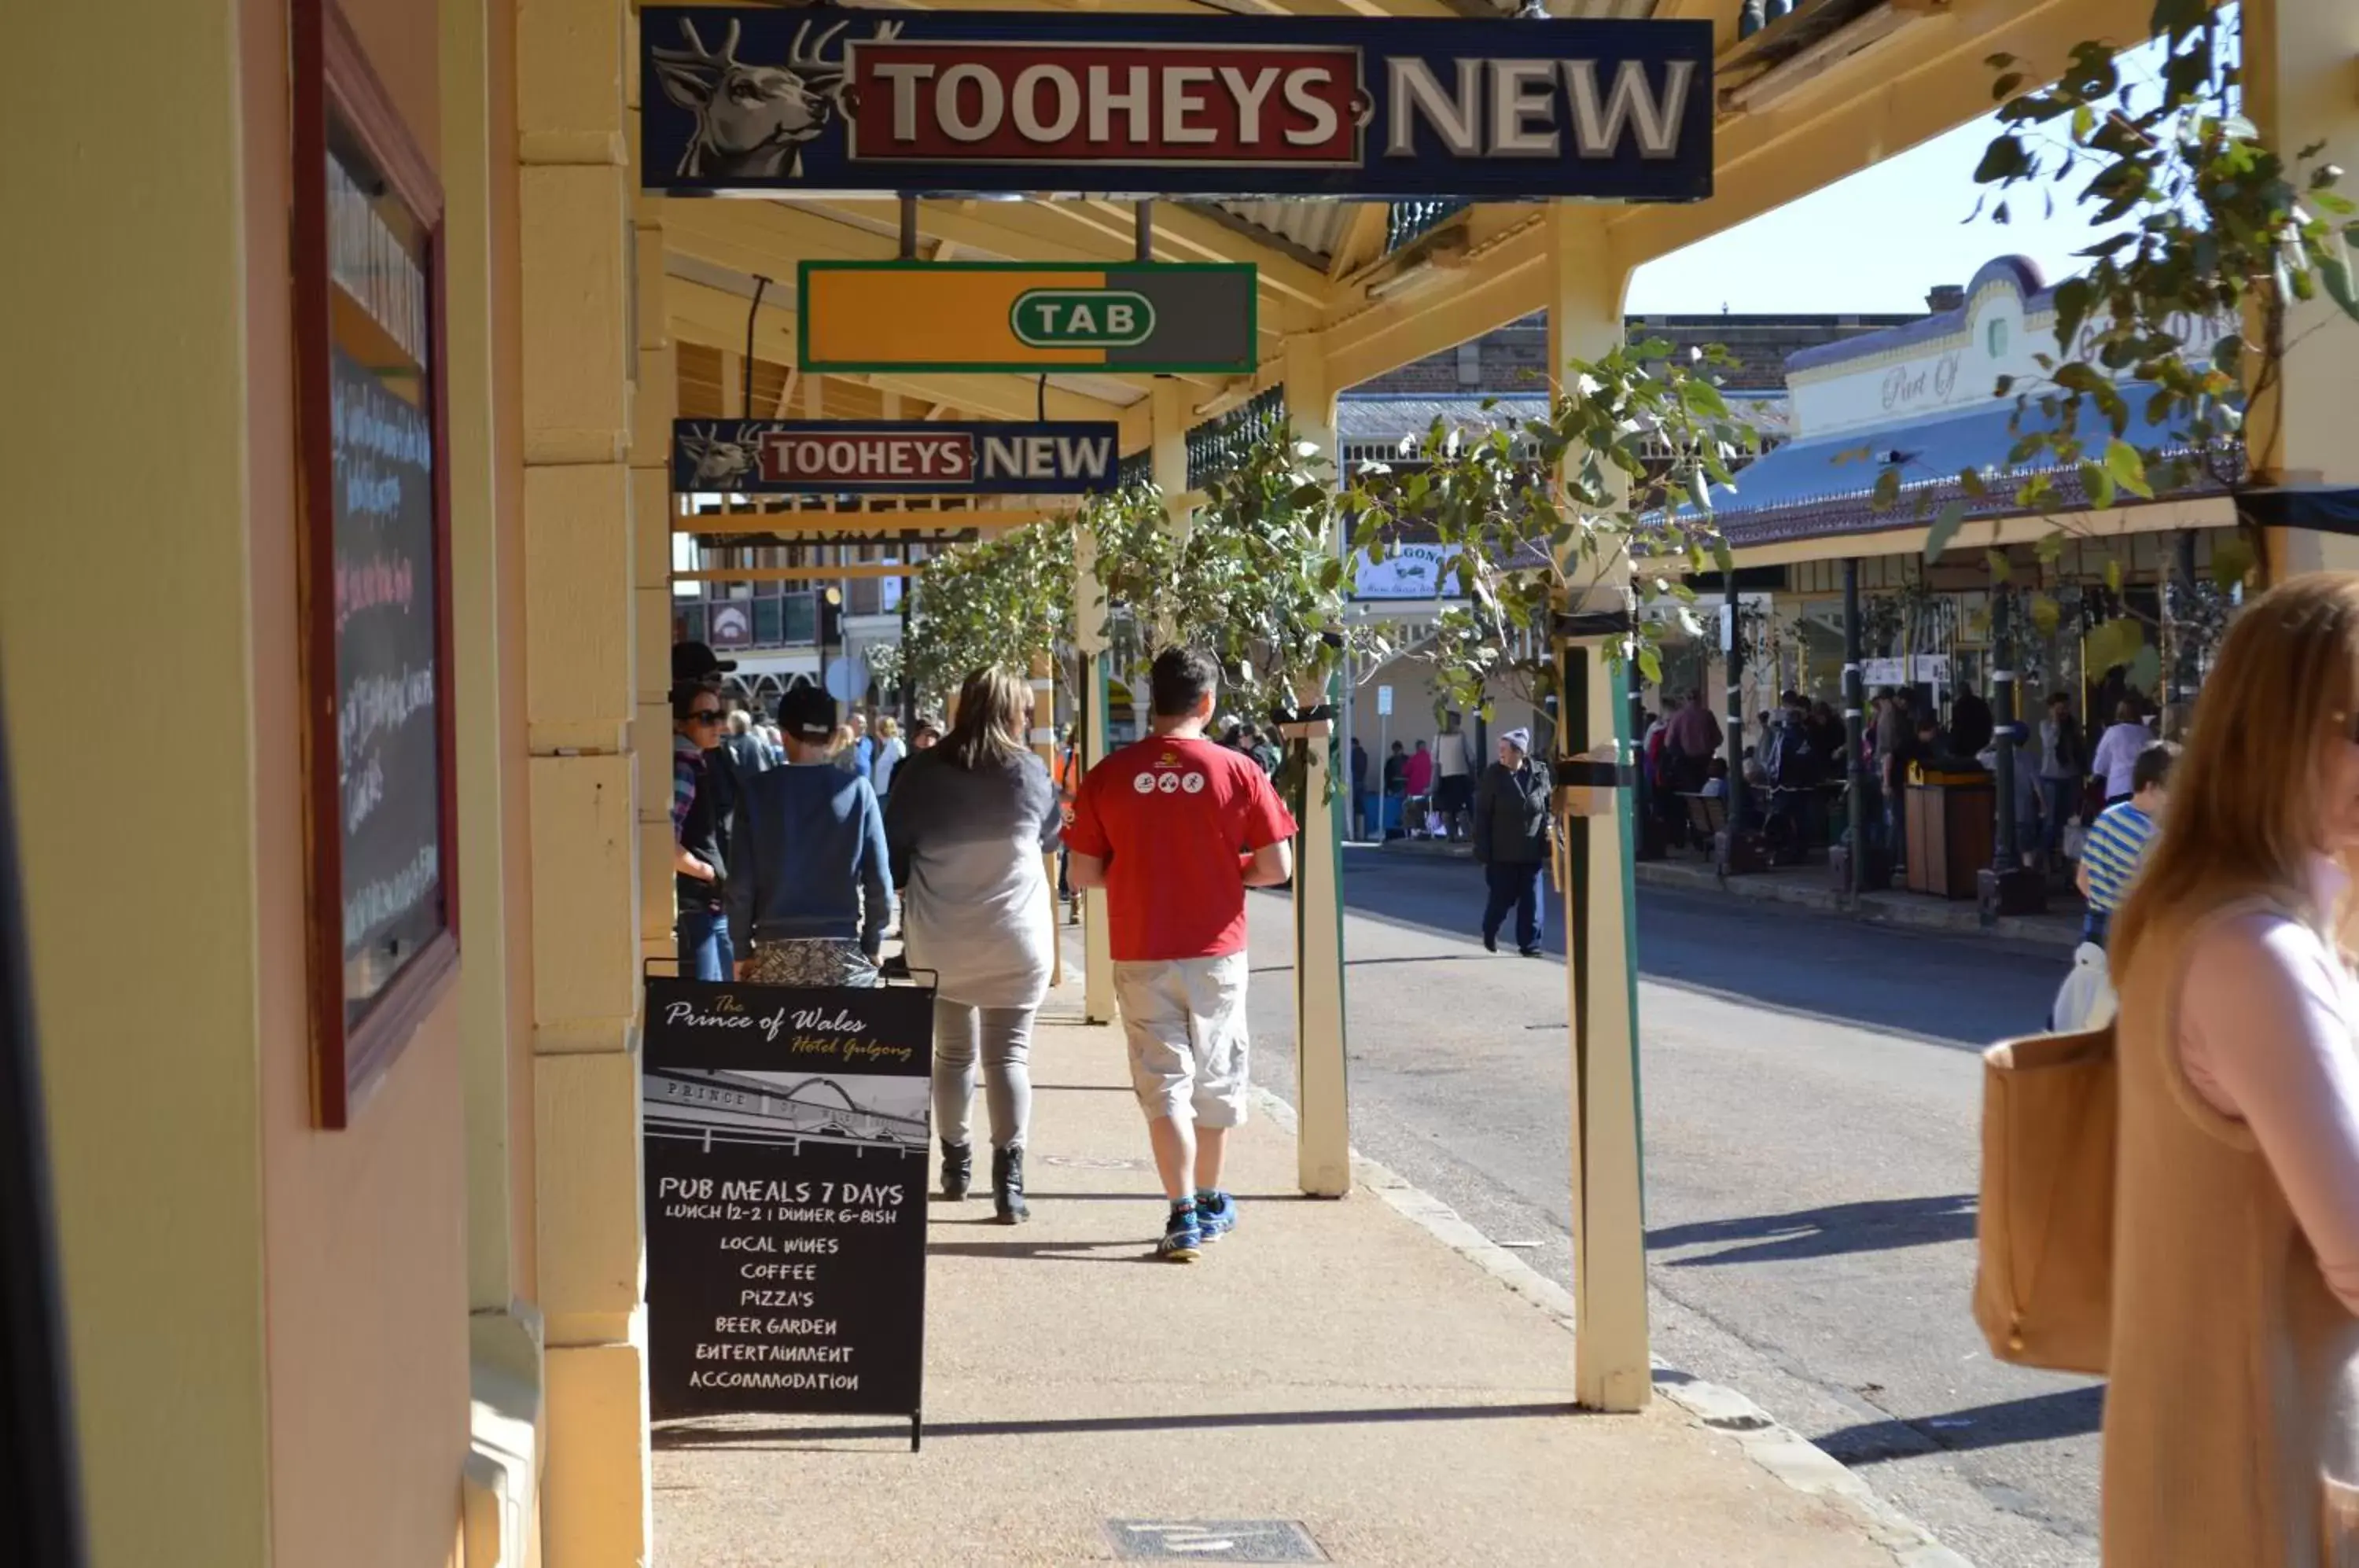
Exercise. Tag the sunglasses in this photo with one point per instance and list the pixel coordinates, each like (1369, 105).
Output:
(704, 715)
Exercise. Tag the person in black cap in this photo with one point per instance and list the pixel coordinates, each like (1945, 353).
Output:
(811, 892)
(695, 662)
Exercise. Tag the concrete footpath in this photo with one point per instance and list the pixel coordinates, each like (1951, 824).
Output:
(1368, 1376)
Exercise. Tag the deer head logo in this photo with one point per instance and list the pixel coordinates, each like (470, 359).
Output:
(753, 120)
(720, 464)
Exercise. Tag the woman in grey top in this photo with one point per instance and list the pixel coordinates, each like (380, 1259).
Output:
(967, 827)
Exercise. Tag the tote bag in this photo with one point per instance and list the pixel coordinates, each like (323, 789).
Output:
(2043, 1265)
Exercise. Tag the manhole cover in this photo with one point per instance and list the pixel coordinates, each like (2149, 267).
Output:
(1213, 1541)
(1085, 1162)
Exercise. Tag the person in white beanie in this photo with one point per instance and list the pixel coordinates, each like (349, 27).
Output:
(1511, 840)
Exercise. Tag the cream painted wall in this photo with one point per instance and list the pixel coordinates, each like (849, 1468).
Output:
(141, 892)
(1877, 384)
(365, 1227)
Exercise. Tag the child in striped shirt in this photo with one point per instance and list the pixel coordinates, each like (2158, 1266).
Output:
(2117, 840)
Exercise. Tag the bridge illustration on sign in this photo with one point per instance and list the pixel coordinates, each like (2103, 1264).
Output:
(718, 1108)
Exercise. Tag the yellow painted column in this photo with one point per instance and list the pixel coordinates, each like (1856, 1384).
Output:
(1612, 1371)
(155, 1132)
(585, 676)
(654, 401)
(1044, 742)
(1097, 947)
(505, 1325)
(1323, 1135)
(1169, 415)
(2302, 85)
(500, 1483)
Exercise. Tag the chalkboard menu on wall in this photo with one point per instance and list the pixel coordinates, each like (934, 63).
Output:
(383, 909)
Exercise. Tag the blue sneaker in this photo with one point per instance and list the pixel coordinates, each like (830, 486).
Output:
(1216, 1213)
(1183, 1240)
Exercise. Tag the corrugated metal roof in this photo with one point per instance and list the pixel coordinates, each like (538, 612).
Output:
(1311, 226)
(1389, 419)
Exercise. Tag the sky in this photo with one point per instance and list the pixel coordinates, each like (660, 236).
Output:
(1874, 243)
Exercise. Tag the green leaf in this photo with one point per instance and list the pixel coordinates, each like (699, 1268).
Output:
(1887, 489)
(2098, 481)
(2002, 570)
(1700, 489)
(2335, 273)
(2232, 559)
(2113, 574)
(2045, 613)
(2127, 465)
(2002, 159)
(1944, 529)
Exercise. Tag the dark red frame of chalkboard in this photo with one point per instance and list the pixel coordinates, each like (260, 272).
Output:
(331, 77)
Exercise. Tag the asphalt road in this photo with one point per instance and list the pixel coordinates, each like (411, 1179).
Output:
(1812, 1093)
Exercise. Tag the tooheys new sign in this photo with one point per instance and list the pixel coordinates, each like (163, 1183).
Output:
(962, 103)
(787, 457)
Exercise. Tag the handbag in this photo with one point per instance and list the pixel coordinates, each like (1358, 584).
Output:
(2044, 1240)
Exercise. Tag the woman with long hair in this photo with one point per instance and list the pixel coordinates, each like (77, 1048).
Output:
(2232, 1423)
(967, 825)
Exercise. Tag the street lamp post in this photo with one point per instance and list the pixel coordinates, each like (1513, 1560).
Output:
(1858, 855)
(830, 627)
(2007, 887)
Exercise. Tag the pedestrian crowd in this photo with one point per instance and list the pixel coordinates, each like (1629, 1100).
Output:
(801, 837)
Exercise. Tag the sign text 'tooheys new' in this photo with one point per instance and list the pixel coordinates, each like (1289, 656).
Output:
(764, 101)
(806, 457)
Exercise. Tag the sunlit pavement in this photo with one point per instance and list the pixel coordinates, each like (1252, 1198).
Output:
(1812, 1093)
(1330, 1365)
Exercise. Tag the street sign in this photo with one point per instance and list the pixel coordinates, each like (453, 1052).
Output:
(860, 316)
(815, 457)
(1383, 702)
(760, 101)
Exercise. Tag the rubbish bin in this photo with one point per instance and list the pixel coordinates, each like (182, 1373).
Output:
(1951, 824)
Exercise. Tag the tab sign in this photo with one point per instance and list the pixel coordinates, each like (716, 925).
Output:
(1081, 318)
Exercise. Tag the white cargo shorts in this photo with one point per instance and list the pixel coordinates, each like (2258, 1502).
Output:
(1185, 1019)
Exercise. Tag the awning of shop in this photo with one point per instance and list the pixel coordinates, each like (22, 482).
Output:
(2324, 508)
(1826, 486)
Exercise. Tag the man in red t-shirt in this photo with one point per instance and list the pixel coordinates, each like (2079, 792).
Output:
(1175, 828)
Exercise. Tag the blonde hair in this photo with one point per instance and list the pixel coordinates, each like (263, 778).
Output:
(888, 726)
(2248, 793)
(995, 705)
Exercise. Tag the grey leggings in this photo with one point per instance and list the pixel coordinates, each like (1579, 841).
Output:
(1002, 1038)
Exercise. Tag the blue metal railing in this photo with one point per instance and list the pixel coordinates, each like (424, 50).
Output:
(1220, 443)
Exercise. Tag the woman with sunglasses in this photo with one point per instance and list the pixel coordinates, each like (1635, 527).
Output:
(699, 832)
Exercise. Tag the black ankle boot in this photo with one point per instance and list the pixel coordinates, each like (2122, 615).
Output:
(958, 1170)
(1007, 1185)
